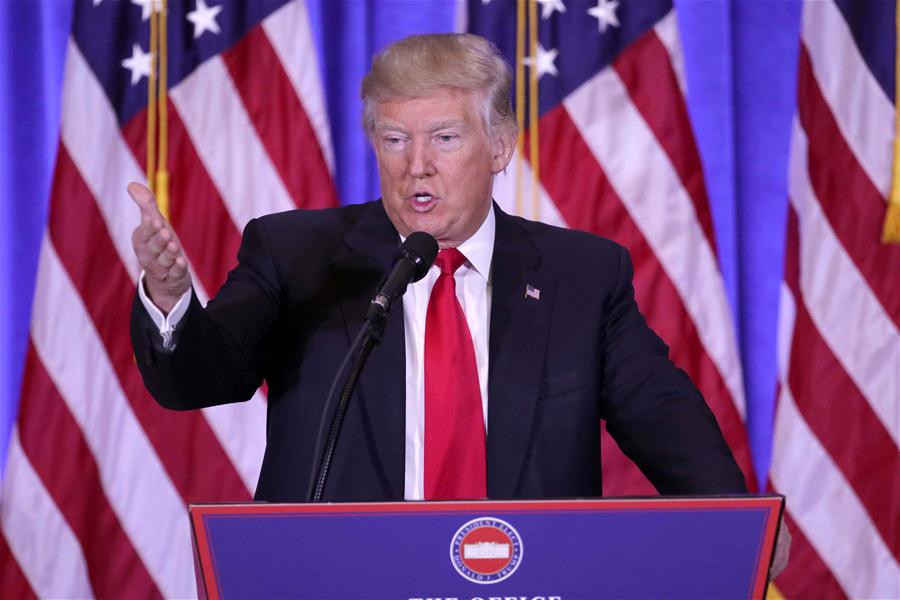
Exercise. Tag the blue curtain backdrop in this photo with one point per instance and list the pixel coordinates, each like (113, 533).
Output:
(740, 61)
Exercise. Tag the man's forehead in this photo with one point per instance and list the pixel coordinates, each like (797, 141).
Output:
(389, 124)
(442, 104)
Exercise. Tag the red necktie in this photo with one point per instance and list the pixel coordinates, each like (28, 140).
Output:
(454, 423)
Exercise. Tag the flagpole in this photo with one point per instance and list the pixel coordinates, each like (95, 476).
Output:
(151, 102)
(520, 99)
(533, 107)
(162, 174)
(891, 232)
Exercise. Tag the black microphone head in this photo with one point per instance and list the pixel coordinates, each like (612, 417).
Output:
(422, 249)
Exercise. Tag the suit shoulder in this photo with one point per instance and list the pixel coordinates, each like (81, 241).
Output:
(310, 226)
(564, 243)
(338, 218)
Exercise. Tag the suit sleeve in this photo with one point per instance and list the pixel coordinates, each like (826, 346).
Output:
(653, 411)
(219, 349)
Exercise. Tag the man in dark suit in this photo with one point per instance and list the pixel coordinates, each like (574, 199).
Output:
(557, 341)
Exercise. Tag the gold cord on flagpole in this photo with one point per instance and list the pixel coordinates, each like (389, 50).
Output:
(151, 103)
(891, 232)
(520, 98)
(162, 174)
(533, 109)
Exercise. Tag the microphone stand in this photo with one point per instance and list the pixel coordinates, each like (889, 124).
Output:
(368, 337)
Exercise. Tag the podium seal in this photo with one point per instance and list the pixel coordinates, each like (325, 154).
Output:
(486, 550)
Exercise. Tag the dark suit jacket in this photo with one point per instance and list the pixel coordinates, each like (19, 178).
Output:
(558, 364)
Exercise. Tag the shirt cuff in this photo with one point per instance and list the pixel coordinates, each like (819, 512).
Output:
(165, 323)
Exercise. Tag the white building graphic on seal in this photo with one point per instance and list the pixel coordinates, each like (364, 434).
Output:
(485, 550)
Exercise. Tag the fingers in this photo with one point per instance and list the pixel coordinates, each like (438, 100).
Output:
(159, 240)
(179, 268)
(143, 197)
(162, 256)
(155, 244)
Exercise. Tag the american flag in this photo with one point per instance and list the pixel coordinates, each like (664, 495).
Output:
(617, 157)
(98, 476)
(837, 425)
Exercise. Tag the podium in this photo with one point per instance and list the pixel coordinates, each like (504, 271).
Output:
(699, 547)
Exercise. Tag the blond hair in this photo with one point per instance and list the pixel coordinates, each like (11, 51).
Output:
(420, 65)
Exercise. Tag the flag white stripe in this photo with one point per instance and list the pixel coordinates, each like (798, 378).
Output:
(290, 34)
(108, 172)
(848, 315)
(787, 316)
(505, 194)
(46, 549)
(826, 509)
(864, 113)
(241, 429)
(667, 31)
(622, 142)
(212, 111)
(135, 482)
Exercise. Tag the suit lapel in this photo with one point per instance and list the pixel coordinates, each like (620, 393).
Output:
(519, 332)
(371, 248)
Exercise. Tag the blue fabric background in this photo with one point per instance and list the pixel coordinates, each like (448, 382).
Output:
(740, 60)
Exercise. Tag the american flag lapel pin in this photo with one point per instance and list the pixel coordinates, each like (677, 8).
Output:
(532, 292)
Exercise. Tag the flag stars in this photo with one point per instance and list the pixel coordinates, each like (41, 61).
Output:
(204, 18)
(545, 62)
(147, 7)
(548, 7)
(139, 63)
(605, 13)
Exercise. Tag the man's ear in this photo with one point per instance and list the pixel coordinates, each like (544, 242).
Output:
(504, 143)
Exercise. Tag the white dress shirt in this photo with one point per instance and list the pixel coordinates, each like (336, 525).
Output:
(473, 289)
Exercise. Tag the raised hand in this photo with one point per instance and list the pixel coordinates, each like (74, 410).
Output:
(158, 252)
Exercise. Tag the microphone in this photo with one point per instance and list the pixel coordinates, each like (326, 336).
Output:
(417, 254)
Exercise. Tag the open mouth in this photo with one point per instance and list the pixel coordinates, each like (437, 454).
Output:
(422, 201)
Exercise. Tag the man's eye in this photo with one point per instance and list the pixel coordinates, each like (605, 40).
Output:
(394, 142)
(447, 137)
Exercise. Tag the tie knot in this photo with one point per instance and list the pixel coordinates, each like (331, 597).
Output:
(449, 260)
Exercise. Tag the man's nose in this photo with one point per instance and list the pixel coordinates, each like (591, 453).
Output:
(421, 160)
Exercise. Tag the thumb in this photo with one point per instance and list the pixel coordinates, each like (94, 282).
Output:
(144, 199)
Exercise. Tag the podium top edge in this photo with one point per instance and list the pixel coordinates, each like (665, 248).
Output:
(772, 501)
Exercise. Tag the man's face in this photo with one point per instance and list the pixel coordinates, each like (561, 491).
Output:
(437, 164)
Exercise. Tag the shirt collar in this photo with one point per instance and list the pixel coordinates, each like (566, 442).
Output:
(479, 249)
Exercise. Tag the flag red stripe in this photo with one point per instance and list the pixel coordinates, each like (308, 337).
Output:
(646, 71)
(196, 210)
(848, 198)
(871, 461)
(73, 481)
(13, 583)
(806, 575)
(280, 120)
(576, 176)
(187, 447)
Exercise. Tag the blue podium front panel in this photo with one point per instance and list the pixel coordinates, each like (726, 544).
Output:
(662, 548)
